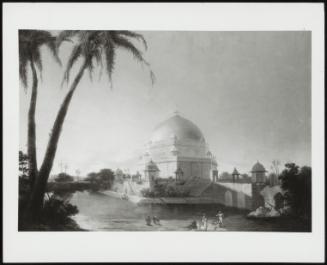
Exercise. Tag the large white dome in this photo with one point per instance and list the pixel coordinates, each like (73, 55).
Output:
(178, 127)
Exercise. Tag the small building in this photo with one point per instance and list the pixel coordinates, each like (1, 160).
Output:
(258, 173)
(258, 183)
(179, 174)
(235, 175)
(151, 173)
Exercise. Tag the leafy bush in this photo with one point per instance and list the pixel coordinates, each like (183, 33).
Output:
(146, 192)
(296, 182)
(101, 180)
(57, 211)
(165, 189)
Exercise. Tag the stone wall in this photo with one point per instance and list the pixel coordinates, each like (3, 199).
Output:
(237, 195)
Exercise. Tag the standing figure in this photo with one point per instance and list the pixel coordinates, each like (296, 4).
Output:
(193, 225)
(220, 216)
(204, 223)
(148, 220)
(156, 220)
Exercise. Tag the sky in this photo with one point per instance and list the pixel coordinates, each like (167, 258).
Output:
(248, 92)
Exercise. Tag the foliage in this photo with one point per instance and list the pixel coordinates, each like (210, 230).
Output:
(297, 184)
(30, 42)
(225, 176)
(90, 47)
(165, 189)
(245, 178)
(279, 201)
(147, 192)
(23, 165)
(57, 211)
(64, 177)
(93, 45)
(101, 180)
(24, 183)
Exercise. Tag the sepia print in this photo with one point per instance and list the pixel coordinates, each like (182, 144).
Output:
(165, 130)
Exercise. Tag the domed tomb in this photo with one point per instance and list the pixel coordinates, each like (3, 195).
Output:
(177, 143)
(179, 128)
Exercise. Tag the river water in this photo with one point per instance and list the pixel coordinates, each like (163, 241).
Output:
(100, 212)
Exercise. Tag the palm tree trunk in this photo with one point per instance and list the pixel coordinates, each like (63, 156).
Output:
(31, 136)
(37, 197)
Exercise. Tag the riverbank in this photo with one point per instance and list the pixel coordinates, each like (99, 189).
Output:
(70, 226)
(101, 212)
(166, 200)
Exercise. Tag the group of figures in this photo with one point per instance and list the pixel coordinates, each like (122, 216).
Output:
(155, 220)
(202, 225)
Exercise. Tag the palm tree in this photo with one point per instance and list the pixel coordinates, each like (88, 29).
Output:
(30, 42)
(91, 47)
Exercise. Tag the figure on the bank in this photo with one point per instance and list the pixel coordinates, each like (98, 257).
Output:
(156, 220)
(220, 216)
(193, 225)
(204, 223)
(148, 220)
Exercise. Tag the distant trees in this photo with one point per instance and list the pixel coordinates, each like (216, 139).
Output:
(225, 176)
(296, 182)
(103, 179)
(64, 177)
(245, 178)
(167, 188)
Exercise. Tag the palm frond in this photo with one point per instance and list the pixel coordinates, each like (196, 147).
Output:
(135, 35)
(36, 58)
(97, 54)
(153, 77)
(90, 67)
(76, 53)
(129, 46)
(24, 55)
(51, 44)
(65, 35)
(98, 58)
(126, 44)
(94, 45)
(30, 42)
(110, 53)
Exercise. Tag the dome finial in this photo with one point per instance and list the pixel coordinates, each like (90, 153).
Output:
(176, 112)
